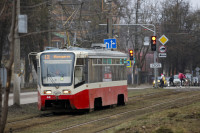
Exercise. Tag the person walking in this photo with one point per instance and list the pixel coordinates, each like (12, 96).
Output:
(181, 76)
(162, 80)
(171, 80)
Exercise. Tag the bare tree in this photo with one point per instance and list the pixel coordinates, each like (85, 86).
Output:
(177, 25)
(8, 66)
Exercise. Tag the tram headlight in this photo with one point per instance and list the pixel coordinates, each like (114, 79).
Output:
(66, 91)
(47, 91)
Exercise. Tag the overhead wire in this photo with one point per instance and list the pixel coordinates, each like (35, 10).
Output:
(74, 16)
(33, 6)
(70, 17)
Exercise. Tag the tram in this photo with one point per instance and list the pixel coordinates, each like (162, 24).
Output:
(78, 78)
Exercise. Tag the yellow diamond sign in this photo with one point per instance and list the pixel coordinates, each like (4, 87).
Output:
(163, 39)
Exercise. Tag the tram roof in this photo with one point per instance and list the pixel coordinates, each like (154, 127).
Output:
(90, 53)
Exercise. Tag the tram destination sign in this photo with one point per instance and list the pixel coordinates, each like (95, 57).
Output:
(155, 65)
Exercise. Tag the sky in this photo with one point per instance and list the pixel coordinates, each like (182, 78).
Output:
(195, 3)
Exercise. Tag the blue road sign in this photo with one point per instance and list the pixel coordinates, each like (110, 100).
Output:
(128, 63)
(110, 43)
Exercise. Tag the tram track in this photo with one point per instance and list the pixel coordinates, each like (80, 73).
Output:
(165, 104)
(50, 118)
(166, 107)
(51, 114)
(26, 119)
(136, 98)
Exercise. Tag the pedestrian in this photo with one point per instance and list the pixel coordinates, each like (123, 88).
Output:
(162, 80)
(181, 76)
(171, 80)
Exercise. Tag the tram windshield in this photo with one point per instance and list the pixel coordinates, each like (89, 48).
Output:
(57, 69)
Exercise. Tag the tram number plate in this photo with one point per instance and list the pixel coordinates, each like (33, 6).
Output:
(155, 65)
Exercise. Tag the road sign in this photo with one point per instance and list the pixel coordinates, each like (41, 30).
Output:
(22, 24)
(128, 63)
(110, 43)
(162, 55)
(162, 49)
(163, 39)
(197, 69)
(197, 73)
(155, 65)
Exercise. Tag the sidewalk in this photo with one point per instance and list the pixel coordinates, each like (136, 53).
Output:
(25, 98)
(142, 86)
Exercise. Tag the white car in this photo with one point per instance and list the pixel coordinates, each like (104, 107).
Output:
(176, 80)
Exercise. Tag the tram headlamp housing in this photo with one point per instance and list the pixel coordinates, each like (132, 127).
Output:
(66, 91)
(47, 92)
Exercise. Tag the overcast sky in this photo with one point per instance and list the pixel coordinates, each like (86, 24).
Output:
(195, 3)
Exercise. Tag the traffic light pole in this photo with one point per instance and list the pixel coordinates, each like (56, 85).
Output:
(155, 52)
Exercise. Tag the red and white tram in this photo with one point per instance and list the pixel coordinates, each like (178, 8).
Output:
(81, 79)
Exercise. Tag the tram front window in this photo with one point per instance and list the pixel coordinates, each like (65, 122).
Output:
(57, 69)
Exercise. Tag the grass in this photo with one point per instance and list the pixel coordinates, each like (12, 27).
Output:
(178, 120)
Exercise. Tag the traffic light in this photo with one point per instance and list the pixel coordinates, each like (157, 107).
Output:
(131, 54)
(153, 43)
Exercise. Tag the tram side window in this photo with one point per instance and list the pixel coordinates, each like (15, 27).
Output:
(79, 73)
(118, 71)
(95, 70)
(106, 70)
(95, 74)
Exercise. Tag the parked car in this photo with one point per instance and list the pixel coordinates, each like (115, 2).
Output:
(177, 81)
(195, 81)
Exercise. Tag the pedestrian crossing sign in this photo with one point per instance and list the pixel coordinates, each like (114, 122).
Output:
(128, 63)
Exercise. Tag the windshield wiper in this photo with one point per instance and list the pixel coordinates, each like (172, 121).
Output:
(51, 79)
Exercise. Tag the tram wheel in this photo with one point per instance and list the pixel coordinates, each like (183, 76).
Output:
(97, 103)
(120, 100)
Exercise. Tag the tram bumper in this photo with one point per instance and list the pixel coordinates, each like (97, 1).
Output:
(77, 101)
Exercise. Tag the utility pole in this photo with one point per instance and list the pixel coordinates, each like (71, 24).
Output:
(136, 44)
(17, 62)
(49, 24)
(110, 19)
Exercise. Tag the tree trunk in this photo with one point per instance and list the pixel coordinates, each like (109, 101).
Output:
(9, 70)
(0, 104)
(5, 101)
